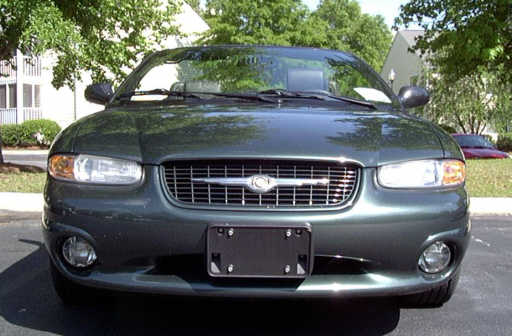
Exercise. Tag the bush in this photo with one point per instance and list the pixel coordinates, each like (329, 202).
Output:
(10, 135)
(504, 142)
(47, 130)
(30, 133)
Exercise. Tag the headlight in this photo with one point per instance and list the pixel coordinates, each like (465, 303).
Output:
(94, 169)
(422, 174)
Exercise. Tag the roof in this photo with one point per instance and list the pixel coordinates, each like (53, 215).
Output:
(411, 35)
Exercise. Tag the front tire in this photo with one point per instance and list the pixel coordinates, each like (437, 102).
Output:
(69, 292)
(432, 298)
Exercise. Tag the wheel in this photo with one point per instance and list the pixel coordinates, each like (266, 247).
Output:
(434, 297)
(71, 293)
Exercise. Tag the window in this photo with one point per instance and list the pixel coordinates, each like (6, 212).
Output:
(27, 95)
(12, 96)
(37, 96)
(3, 96)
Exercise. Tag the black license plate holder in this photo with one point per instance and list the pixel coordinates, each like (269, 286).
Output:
(259, 251)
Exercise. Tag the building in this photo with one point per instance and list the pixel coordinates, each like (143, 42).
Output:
(405, 65)
(26, 92)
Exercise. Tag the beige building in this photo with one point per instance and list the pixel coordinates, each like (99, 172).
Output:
(26, 92)
(405, 65)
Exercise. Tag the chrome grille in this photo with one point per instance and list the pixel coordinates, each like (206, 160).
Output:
(180, 179)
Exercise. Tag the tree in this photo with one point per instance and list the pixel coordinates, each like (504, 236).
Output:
(472, 102)
(105, 37)
(469, 34)
(336, 24)
(348, 29)
(276, 22)
(195, 5)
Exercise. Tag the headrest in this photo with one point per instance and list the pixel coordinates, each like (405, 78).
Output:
(305, 80)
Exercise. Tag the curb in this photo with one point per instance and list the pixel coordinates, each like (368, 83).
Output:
(479, 206)
(21, 202)
(25, 152)
(490, 206)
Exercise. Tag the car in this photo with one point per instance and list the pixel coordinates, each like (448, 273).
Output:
(255, 171)
(478, 147)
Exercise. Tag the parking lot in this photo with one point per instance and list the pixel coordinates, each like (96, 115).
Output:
(28, 306)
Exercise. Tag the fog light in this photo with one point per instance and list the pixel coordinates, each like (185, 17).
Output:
(435, 258)
(78, 252)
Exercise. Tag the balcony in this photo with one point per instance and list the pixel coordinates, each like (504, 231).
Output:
(31, 68)
(9, 115)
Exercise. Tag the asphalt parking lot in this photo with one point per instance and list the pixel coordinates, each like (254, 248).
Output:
(28, 306)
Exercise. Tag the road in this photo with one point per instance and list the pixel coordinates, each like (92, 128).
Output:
(28, 306)
(38, 160)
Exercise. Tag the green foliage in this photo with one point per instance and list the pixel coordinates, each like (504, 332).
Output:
(469, 34)
(24, 134)
(504, 142)
(48, 128)
(104, 37)
(336, 24)
(348, 29)
(471, 103)
(11, 134)
(195, 4)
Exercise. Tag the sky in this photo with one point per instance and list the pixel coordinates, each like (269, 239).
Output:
(389, 9)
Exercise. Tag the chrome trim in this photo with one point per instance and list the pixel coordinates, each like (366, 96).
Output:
(261, 183)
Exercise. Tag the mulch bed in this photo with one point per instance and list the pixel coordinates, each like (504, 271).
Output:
(12, 168)
(24, 147)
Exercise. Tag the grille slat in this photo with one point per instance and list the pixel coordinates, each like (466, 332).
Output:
(179, 175)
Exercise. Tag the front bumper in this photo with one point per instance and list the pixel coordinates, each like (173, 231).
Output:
(378, 240)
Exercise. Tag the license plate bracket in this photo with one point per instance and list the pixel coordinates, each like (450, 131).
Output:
(259, 251)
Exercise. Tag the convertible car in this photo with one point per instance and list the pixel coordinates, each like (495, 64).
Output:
(253, 171)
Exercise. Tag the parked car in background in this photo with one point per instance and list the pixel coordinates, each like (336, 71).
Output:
(478, 147)
(241, 171)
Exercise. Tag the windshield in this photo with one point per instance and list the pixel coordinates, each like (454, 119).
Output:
(473, 141)
(252, 70)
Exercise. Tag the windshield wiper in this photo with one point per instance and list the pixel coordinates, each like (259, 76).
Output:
(315, 95)
(254, 97)
(156, 92)
(168, 93)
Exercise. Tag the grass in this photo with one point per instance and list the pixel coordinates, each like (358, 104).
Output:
(485, 178)
(489, 178)
(22, 182)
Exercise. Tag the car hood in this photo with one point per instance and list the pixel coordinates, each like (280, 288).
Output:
(483, 153)
(152, 136)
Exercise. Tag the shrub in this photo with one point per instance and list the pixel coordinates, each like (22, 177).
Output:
(39, 132)
(10, 135)
(30, 133)
(504, 142)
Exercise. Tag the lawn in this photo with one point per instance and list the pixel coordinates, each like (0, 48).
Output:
(485, 178)
(489, 178)
(22, 182)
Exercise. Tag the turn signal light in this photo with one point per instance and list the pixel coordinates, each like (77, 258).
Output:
(454, 172)
(61, 166)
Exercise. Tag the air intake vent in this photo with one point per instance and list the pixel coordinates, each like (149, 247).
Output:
(199, 182)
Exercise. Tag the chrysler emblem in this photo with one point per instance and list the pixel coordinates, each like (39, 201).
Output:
(261, 183)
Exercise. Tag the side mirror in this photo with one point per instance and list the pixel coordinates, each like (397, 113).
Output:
(99, 93)
(413, 96)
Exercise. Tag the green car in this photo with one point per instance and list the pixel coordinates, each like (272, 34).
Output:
(253, 171)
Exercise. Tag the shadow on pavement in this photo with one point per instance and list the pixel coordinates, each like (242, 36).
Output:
(27, 300)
